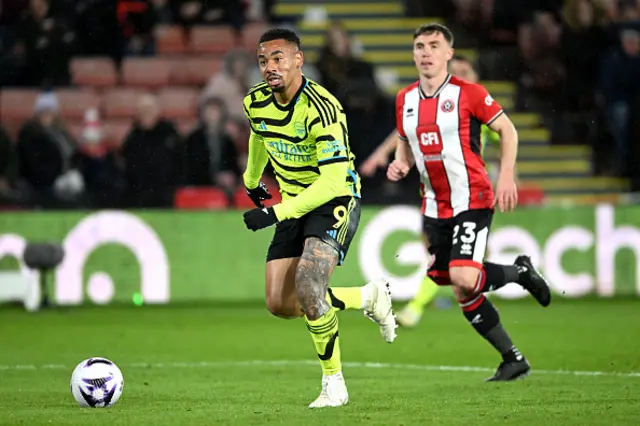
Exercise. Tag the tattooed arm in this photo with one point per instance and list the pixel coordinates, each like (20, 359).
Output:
(315, 266)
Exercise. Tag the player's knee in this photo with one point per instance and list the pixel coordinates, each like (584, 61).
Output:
(460, 294)
(282, 308)
(464, 279)
(440, 277)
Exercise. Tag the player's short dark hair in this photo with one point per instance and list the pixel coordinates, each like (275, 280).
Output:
(461, 58)
(429, 29)
(280, 34)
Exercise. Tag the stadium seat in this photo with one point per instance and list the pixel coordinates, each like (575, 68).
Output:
(178, 102)
(120, 102)
(212, 39)
(170, 39)
(13, 128)
(74, 102)
(115, 131)
(180, 72)
(75, 127)
(17, 104)
(95, 72)
(251, 35)
(194, 70)
(200, 198)
(146, 72)
(530, 195)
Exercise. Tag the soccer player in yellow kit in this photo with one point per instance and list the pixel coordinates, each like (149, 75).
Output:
(301, 130)
(411, 314)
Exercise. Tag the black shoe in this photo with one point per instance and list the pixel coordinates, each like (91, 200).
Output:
(508, 371)
(532, 281)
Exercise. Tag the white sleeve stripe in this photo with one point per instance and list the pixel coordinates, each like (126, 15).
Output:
(495, 117)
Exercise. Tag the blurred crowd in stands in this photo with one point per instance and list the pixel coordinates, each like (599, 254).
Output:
(576, 61)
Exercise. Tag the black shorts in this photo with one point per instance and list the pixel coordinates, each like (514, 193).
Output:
(458, 241)
(335, 223)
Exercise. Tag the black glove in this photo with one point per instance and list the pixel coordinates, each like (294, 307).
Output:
(257, 219)
(259, 194)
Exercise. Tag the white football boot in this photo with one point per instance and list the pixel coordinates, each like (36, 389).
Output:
(379, 309)
(334, 392)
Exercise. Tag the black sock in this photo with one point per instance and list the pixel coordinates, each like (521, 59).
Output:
(495, 276)
(483, 316)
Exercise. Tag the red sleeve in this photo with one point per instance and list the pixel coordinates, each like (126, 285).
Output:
(482, 105)
(399, 113)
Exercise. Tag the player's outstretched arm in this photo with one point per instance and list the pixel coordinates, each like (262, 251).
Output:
(256, 162)
(504, 127)
(404, 160)
(506, 191)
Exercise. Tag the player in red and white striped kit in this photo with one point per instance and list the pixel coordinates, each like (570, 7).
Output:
(438, 119)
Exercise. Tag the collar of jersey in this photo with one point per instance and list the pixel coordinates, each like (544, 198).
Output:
(437, 92)
(294, 101)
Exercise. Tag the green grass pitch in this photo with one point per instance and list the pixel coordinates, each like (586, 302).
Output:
(237, 365)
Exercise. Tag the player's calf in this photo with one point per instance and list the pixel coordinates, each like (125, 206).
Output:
(464, 279)
(312, 277)
(280, 289)
(492, 276)
(284, 308)
(484, 318)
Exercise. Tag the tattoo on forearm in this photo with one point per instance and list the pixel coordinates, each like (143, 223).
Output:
(312, 276)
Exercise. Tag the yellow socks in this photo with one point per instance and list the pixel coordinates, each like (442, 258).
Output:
(324, 332)
(343, 298)
(426, 294)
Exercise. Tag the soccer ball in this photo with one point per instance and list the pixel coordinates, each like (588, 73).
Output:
(97, 383)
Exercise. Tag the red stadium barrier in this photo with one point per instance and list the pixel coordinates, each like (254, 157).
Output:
(201, 198)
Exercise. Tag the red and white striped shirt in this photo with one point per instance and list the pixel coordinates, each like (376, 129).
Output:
(443, 132)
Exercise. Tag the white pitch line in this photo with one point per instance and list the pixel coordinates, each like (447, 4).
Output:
(281, 363)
